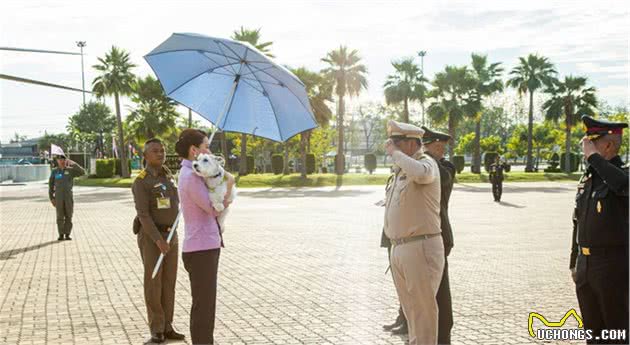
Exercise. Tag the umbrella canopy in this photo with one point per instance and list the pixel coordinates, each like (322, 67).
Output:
(233, 85)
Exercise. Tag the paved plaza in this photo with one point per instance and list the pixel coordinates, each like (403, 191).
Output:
(299, 266)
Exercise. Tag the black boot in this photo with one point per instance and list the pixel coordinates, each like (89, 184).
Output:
(400, 320)
(68, 238)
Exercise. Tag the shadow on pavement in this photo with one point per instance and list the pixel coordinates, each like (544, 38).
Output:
(507, 204)
(8, 254)
(300, 193)
(511, 189)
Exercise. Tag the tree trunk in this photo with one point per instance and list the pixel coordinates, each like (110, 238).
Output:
(406, 111)
(340, 161)
(121, 141)
(303, 153)
(242, 166)
(285, 168)
(451, 132)
(530, 128)
(567, 149)
(476, 166)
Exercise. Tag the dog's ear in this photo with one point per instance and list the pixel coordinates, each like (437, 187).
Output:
(220, 160)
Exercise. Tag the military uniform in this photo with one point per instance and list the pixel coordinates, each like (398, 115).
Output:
(447, 178)
(157, 204)
(60, 186)
(496, 178)
(599, 253)
(412, 223)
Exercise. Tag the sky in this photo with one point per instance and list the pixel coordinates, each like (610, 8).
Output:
(588, 38)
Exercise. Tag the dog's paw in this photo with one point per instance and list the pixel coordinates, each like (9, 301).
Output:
(219, 206)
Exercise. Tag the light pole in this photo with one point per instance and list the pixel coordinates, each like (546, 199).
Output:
(422, 53)
(82, 44)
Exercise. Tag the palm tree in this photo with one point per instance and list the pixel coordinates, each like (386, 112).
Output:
(115, 79)
(405, 85)
(348, 76)
(319, 90)
(570, 99)
(452, 94)
(531, 74)
(487, 82)
(154, 114)
(252, 37)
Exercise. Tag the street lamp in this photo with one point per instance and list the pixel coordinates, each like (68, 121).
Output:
(422, 53)
(82, 44)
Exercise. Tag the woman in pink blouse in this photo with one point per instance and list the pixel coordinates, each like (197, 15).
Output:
(202, 240)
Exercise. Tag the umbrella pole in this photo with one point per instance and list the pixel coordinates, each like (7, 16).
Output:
(168, 240)
(226, 108)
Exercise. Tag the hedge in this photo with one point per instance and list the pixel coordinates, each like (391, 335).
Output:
(489, 158)
(118, 169)
(310, 163)
(104, 168)
(459, 163)
(277, 164)
(370, 162)
(574, 161)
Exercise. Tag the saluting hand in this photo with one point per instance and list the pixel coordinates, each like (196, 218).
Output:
(588, 147)
(164, 247)
(390, 147)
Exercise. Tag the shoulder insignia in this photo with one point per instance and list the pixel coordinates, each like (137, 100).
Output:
(142, 174)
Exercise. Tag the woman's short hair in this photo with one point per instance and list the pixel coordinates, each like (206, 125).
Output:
(188, 138)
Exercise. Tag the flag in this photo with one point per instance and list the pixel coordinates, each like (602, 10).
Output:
(56, 150)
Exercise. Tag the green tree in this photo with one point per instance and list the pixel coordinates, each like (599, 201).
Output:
(252, 37)
(115, 79)
(487, 82)
(91, 124)
(348, 76)
(62, 140)
(154, 114)
(531, 74)
(406, 84)
(319, 90)
(570, 100)
(452, 99)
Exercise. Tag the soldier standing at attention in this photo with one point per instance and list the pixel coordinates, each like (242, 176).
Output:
(60, 194)
(157, 205)
(412, 223)
(435, 146)
(496, 178)
(599, 253)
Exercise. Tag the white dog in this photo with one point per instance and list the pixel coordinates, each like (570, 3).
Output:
(210, 167)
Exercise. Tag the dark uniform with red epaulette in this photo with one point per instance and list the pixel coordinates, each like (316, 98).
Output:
(599, 252)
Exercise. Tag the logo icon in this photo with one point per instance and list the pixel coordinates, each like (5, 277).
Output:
(560, 323)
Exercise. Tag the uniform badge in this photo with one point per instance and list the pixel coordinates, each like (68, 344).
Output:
(599, 207)
(163, 203)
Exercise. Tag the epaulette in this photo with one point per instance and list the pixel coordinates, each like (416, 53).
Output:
(142, 174)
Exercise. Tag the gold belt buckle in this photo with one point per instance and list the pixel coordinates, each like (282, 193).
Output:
(586, 251)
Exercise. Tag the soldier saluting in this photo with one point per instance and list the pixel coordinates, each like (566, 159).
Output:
(496, 178)
(157, 205)
(60, 194)
(599, 253)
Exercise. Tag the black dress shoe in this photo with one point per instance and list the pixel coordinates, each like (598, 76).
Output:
(401, 331)
(68, 238)
(396, 324)
(60, 238)
(156, 338)
(172, 335)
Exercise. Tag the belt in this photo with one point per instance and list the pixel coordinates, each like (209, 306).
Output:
(411, 239)
(588, 251)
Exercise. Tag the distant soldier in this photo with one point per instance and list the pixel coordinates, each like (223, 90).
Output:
(599, 252)
(157, 203)
(60, 194)
(412, 224)
(496, 178)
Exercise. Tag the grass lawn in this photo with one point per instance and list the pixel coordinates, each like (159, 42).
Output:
(321, 180)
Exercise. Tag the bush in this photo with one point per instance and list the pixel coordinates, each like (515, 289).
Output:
(459, 163)
(574, 161)
(118, 169)
(251, 165)
(488, 159)
(104, 168)
(277, 164)
(310, 163)
(324, 170)
(370, 162)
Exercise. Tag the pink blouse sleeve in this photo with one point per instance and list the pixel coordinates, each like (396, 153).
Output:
(198, 193)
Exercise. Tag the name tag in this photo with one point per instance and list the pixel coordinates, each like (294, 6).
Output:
(58, 176)
(163, 203)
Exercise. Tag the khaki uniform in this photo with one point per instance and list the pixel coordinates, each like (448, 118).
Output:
(60, 186)
(412, 210)
(157, 204)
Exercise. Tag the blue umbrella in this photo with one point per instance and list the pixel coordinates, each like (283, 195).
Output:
(233, 85)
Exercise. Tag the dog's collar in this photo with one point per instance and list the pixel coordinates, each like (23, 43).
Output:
(217, 175)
